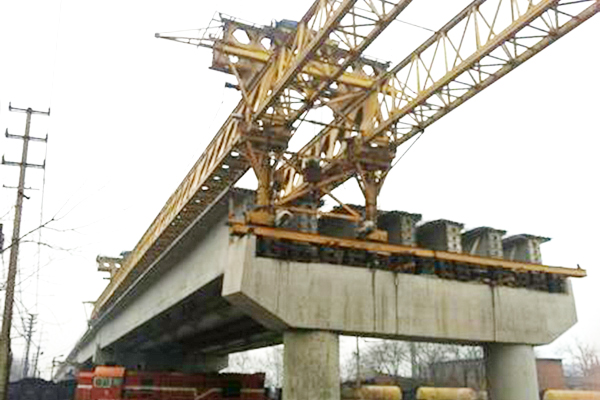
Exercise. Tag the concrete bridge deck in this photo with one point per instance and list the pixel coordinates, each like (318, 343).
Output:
(214, 292)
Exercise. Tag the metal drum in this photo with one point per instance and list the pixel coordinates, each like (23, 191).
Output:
(570, 395)
(372, 392)
(431, 393)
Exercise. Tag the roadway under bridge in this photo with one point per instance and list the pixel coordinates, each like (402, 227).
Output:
(224, 287)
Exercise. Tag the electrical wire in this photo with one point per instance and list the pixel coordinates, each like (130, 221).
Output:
(51, 96)
(39, 250)
(7, 213)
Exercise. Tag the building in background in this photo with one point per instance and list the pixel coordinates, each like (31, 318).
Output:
(591, 381)
(471, 373)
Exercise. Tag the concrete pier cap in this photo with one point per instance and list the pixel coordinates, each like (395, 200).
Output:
(286, 295)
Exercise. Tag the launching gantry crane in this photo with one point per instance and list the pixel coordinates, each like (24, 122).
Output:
(286, 70)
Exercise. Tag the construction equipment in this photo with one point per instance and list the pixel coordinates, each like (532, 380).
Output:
(285, 70)
(115, 382)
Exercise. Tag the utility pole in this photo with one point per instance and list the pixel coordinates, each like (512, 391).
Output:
(28, 345)
(5, 353)
(54, 364)
(36, 373)
(37, 357)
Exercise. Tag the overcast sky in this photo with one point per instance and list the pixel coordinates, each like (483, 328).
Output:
(131, 114)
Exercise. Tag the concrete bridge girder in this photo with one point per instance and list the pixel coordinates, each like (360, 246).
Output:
(312, 303)
(211, 295)
(189, 362)
(150, 297)
(359, 301)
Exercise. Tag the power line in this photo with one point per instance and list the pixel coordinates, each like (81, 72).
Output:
(14, 250)
(39, 252)
(28, 338)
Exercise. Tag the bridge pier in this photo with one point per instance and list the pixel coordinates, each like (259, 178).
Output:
(511, 372)
(311, 365)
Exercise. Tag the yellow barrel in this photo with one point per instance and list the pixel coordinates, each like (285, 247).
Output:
(437, 393)
(571, 395)
(372, 392)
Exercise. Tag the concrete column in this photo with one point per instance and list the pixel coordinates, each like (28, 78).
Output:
(311, 365)
(511, 372)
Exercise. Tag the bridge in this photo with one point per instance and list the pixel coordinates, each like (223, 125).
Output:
(222, 288)
(222, 270)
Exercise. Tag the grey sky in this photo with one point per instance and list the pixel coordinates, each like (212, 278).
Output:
(131, 114)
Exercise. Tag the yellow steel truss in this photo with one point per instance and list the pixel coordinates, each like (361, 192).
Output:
(373, 108)
(470, 53)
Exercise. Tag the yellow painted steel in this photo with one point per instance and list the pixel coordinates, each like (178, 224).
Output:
(571, 395)
(372, 392)
(221, 164)
(452, 79)
(485, 262)
(314, 68)
(436, 393)
(432, 81)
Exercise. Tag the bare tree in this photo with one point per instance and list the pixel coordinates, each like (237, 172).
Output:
(428, 354)
(273, 366)
(243, 362)
(268, 360)
(392, 358)
(458, 352)
(584, 359)
(388, 357)
(377, 357)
